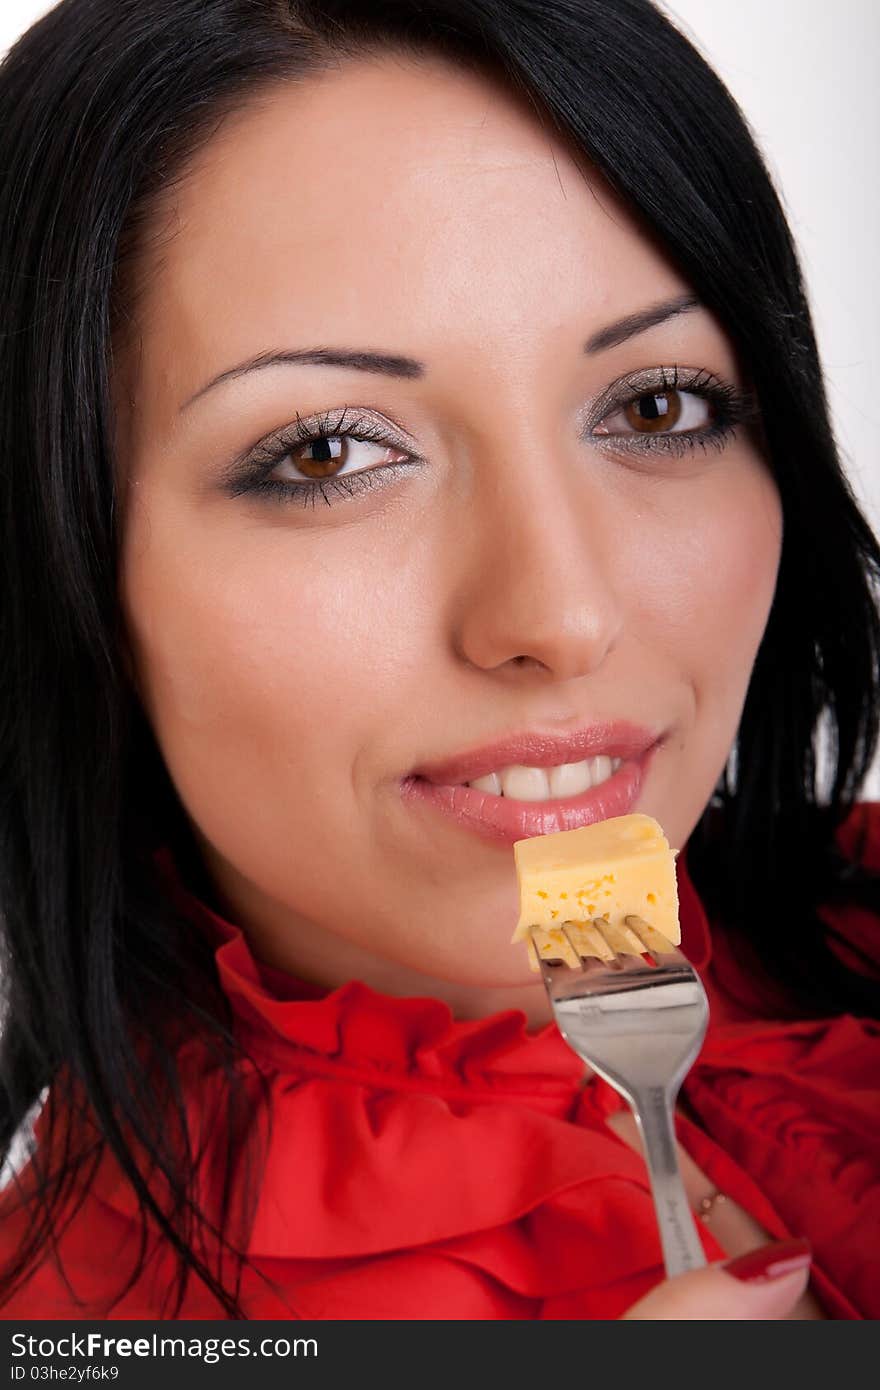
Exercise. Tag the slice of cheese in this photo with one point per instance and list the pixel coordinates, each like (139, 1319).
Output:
(610, 870)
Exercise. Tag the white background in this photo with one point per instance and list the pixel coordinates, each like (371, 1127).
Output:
(805, 74)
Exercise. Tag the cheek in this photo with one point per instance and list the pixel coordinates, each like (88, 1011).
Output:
(266, 660)
(716, 578)
(704, 587)
(733, 575)
(705, 572)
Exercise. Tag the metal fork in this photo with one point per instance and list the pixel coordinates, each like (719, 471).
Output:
(639, 1021)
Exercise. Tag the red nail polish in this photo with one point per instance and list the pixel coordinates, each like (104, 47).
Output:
(771, 1261)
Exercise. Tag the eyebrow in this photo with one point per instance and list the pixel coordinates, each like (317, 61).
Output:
(615, 333)
(410, 368)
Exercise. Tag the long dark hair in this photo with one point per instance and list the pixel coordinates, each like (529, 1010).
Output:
(101, 104)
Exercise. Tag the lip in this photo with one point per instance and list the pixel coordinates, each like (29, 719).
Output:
(616, 740)
(506, 820)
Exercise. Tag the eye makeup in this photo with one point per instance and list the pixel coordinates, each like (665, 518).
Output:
(650, 396)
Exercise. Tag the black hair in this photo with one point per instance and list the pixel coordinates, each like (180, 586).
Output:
(102, 103)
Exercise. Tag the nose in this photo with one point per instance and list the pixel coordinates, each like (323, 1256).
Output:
(537, 592)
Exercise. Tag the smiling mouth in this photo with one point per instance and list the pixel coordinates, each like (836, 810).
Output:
(519, 782)
(523, 799)
(542, 765)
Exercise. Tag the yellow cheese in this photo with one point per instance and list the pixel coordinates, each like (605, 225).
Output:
(611, 870)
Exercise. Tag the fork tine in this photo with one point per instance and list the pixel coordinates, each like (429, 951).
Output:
(653, 939)
(553, 944)
(572, 941)
(622, 940)
(587, 941)
(531, 949)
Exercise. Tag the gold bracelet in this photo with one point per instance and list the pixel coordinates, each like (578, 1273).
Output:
(706, 1204)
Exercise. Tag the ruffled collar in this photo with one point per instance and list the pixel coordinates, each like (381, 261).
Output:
(353, 1030)
(386, 1180)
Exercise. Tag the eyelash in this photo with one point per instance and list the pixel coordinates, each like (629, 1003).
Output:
(730, 407)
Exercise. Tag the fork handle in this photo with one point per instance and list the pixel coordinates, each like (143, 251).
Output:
(653, 1110)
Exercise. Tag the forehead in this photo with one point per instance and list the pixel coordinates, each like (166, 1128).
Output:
(391, 203)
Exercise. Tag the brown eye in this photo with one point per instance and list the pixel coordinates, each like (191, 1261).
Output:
(329, 455)
(655, 411)
(319, 458)
(659, 412)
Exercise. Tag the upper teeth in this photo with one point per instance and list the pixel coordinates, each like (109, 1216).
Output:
(540, 783)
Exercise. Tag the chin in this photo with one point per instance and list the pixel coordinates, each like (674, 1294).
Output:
(509, 981)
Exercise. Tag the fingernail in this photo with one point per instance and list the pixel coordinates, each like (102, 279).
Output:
(771, 1262)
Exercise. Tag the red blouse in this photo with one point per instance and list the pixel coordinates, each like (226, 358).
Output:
(421, 1166)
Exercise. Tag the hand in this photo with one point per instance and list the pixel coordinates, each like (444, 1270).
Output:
(762, 1285)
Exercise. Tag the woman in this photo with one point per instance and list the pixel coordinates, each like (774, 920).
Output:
(397, 399)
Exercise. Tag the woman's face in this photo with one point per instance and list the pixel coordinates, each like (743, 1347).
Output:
(547, 550)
